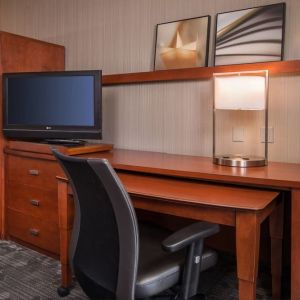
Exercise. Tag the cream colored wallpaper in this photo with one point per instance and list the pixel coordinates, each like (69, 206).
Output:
(118, 36)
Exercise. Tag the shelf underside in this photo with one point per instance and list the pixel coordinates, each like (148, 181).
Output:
(292, 66)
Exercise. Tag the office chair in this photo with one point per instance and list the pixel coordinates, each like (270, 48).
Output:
(115, 258)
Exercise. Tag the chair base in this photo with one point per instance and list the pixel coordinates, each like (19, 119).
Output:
(62, 291)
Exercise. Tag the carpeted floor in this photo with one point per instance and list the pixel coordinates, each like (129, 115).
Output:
(26, 274)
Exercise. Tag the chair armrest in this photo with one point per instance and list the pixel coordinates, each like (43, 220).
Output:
(188, 235)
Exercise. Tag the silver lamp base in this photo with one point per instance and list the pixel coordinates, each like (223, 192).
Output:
(240, 161)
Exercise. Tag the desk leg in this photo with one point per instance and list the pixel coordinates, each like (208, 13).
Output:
(295, 247)
(276, 233)
(64, 211)
(247, 247)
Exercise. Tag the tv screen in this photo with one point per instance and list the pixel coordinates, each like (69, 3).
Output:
(52, 105)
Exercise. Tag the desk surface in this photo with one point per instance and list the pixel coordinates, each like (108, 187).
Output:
(281, 175)
(278, 175)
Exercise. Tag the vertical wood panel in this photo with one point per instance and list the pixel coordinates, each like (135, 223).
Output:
(119, 36)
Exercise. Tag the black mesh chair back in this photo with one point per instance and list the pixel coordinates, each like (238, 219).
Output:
(105, 233)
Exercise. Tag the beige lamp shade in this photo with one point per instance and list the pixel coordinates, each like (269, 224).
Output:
(240, 92)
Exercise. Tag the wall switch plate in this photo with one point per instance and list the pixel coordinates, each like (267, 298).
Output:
(270, 135)
(238, 134)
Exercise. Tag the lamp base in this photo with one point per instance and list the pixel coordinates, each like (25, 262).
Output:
(242, 161)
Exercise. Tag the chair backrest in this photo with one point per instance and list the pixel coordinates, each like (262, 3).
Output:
(105, 243)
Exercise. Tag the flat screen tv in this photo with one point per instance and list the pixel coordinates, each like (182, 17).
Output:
(52, 105)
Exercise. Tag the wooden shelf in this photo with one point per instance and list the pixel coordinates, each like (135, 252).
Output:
(292, 66)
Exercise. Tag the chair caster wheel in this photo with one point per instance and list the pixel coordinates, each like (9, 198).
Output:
(63, 292)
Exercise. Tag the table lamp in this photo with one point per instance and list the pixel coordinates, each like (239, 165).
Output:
(241, 104)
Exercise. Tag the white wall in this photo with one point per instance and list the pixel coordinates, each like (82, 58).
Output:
(118, 36)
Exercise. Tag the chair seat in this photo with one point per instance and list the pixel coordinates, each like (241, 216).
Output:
(159, 270)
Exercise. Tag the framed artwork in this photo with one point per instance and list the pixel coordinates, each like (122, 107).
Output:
(182, 44)
(250, 35)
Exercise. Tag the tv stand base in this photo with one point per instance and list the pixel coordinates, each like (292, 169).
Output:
(65, 142)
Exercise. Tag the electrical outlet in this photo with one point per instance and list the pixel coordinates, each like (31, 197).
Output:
(270, 135)
(238, 134)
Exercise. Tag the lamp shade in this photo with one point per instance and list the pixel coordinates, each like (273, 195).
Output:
(240, 92)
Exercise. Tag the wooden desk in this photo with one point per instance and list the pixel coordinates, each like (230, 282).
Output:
(177, 194)
(280, 176)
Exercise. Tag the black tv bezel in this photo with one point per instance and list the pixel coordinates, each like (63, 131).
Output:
(21, 131)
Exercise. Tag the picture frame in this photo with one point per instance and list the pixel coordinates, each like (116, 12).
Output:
(250, 35)
(182, 43)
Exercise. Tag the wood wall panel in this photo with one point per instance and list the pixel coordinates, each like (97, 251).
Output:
(119, 36)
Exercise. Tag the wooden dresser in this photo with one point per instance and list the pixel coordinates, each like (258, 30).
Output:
(23, 54)
(31, 201)
(31, 208)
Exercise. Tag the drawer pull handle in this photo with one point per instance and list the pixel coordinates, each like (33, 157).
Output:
(33, 172)
(34, 232)
(34, 202)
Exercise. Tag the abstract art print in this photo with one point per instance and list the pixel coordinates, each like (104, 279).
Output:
(182, 44)
(250, 35)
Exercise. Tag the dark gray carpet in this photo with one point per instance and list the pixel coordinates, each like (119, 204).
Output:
(26, 274)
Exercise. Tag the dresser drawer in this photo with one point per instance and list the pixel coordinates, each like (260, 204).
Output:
(34, 201)
(36, 231)
(34, 172)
